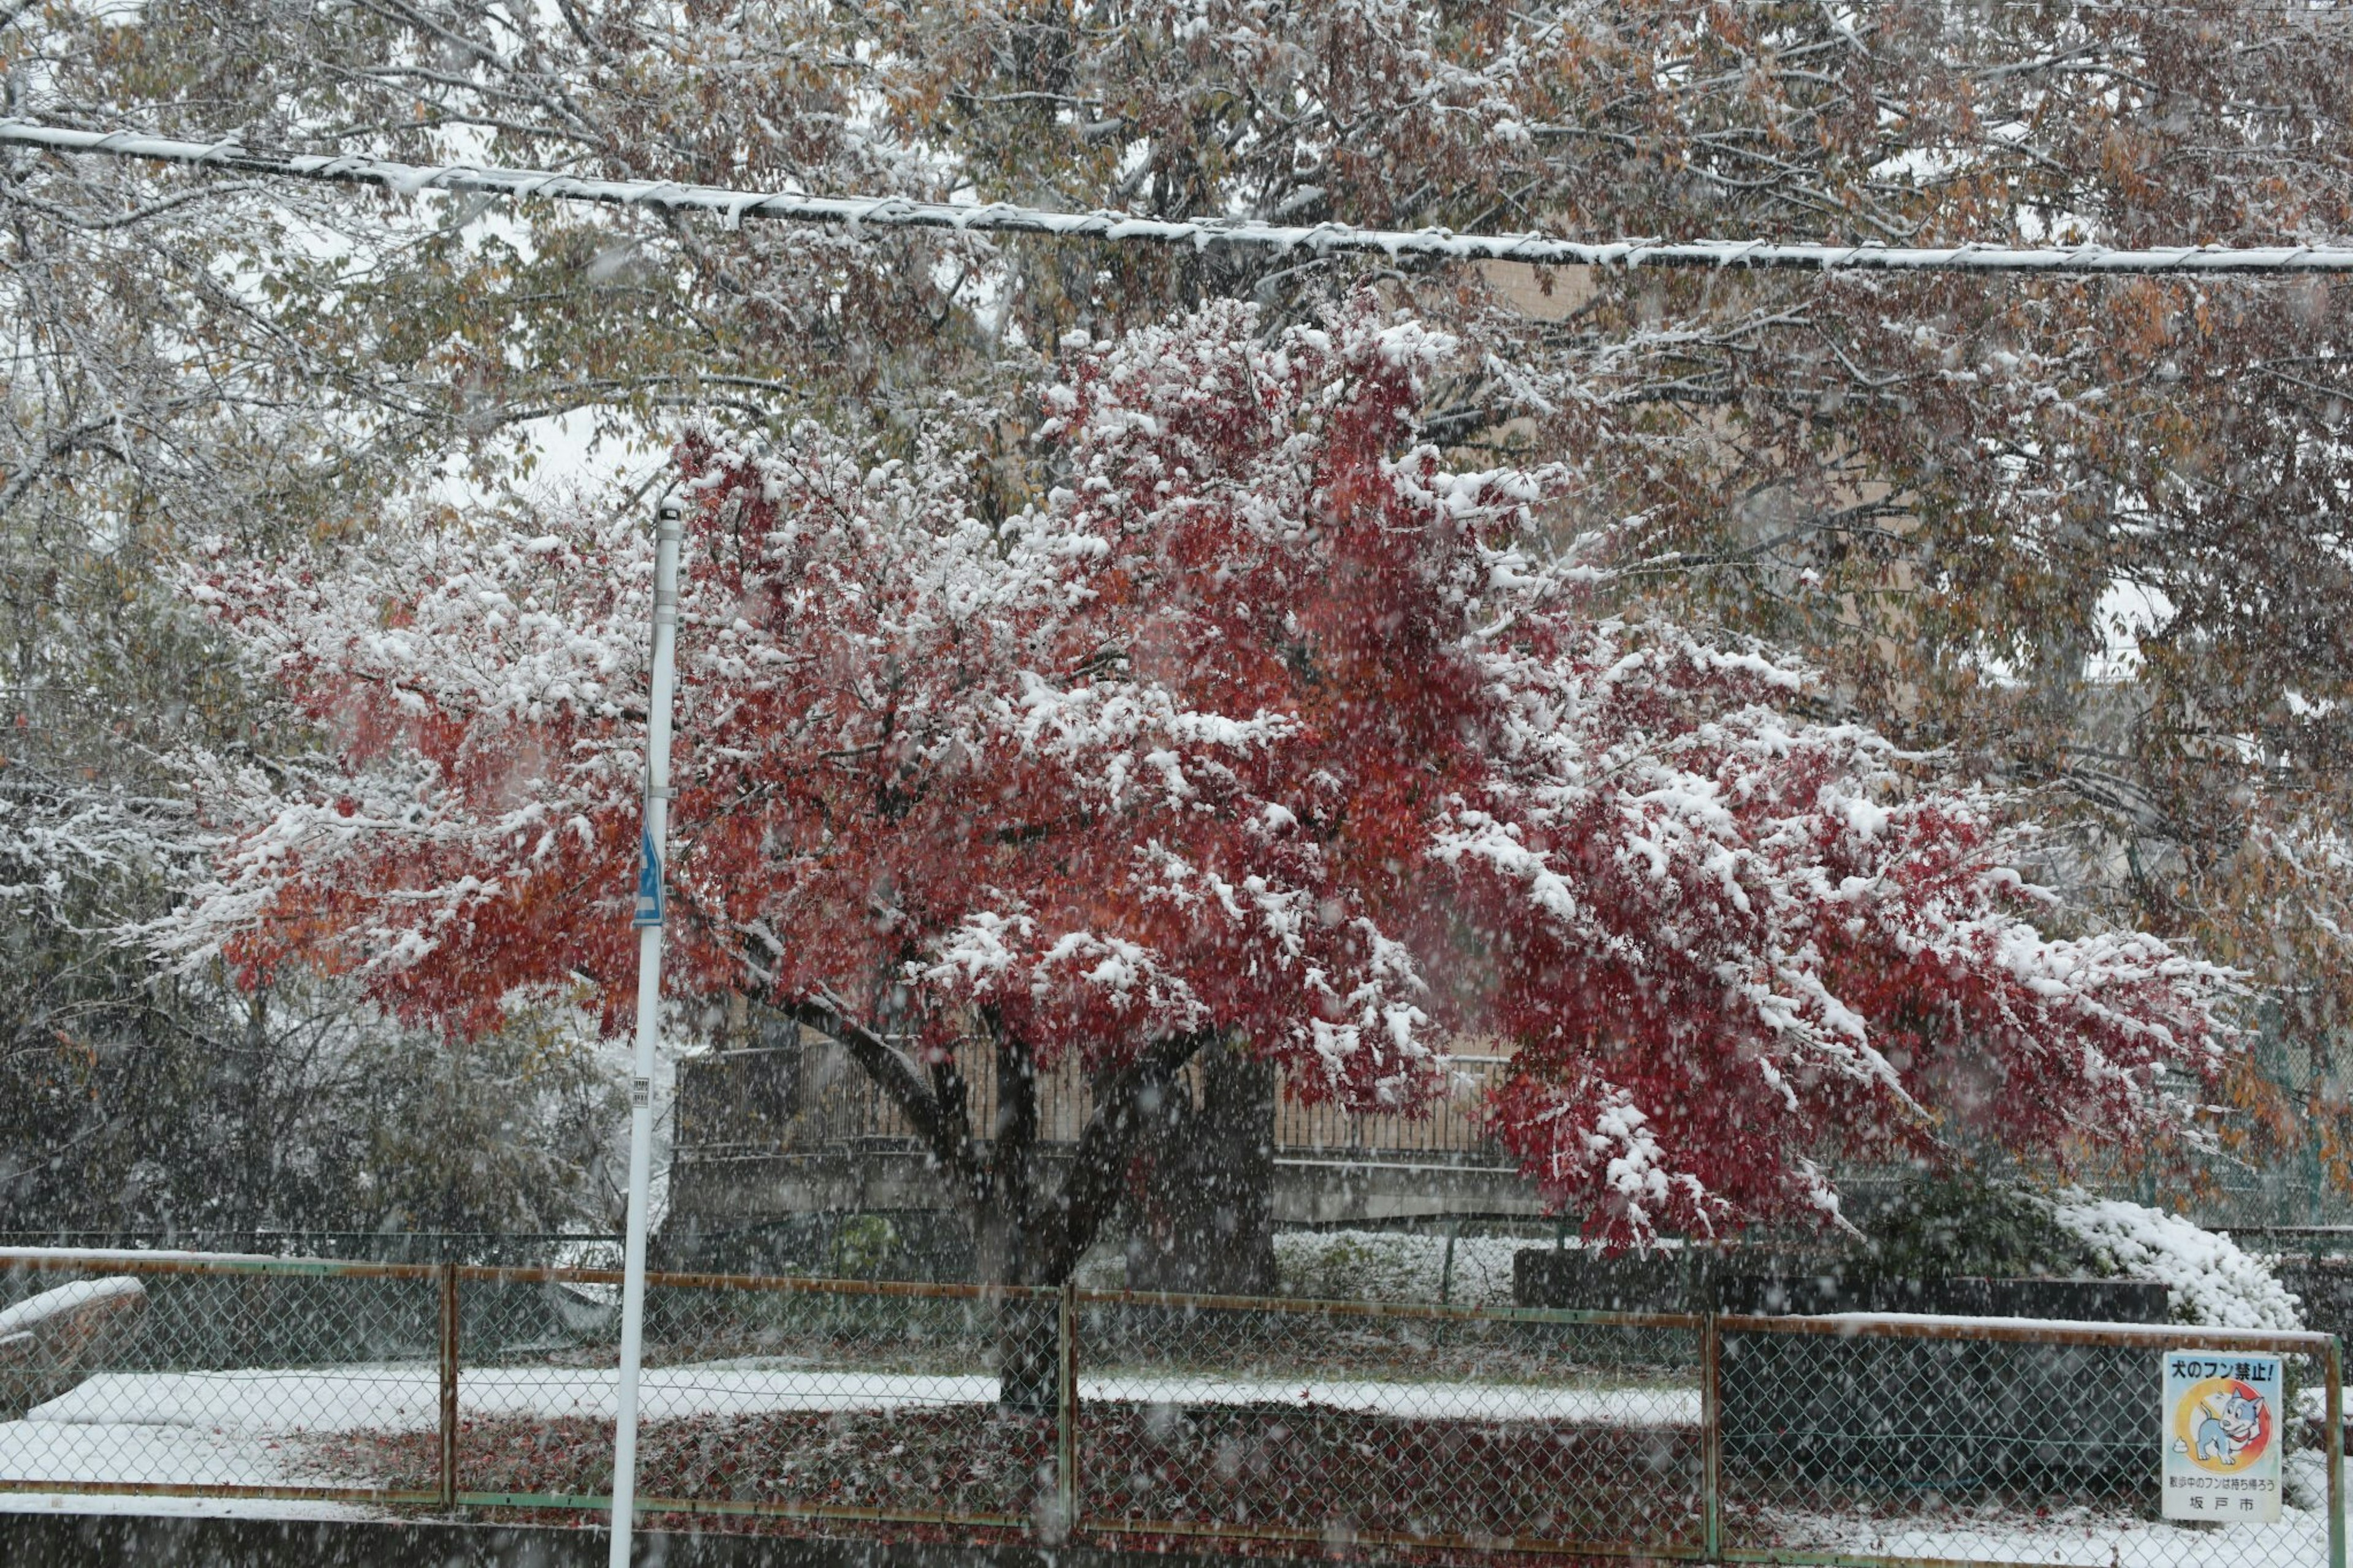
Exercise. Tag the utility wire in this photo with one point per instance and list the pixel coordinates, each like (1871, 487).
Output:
(1000, 218)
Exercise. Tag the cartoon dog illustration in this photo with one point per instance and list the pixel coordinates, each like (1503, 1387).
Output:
(2222, 1434)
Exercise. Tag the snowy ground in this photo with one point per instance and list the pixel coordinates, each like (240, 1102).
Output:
(2299, 1541)
(168, 1439)
(256, 1428)
(2079, 1537)
(171, 1419)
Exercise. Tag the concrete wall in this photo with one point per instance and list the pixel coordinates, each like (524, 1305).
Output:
(715, 1192)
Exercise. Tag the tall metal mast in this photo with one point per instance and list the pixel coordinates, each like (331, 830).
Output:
(668, 528)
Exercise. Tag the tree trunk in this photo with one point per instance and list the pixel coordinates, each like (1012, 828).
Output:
(1205, 1225)
(1005, 1244)
(1019, 1237)
(1022, 1238)
(1026, 1328)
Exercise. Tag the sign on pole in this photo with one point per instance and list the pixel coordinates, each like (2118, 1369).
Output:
(2223, 1428)
(650, 881)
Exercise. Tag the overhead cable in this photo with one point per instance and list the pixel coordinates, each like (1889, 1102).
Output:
(737, 206)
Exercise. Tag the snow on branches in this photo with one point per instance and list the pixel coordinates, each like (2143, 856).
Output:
(1263, 724)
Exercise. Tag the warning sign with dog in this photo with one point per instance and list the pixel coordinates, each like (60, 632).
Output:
(2222, 1433)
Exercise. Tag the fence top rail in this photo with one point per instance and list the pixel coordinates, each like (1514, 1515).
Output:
(131, 1261)
(781, 1284)
(1311, 1306)
(2029, 1331)
(134, 1261)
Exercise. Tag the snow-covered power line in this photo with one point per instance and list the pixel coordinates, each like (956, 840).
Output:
(1000, 218)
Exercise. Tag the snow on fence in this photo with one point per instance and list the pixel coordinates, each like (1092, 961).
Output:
(957, 1413)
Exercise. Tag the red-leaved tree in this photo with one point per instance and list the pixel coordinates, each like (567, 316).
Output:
(1265, 730)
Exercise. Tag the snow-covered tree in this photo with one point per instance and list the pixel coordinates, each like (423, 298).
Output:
(1264, 728)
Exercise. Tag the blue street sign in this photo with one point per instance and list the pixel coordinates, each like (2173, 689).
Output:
(650, 884)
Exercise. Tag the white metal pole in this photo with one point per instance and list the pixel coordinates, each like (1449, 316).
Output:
(669, 526)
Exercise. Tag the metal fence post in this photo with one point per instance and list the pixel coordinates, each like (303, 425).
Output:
(1711, 1441)
(2335, 1448)
(448, 1387)
(1066, 1409)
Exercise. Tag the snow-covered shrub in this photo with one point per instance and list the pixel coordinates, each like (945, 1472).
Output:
(2212, 1282)
(1942, 1224)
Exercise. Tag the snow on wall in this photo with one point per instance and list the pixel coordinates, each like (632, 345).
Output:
(1363, 1265)
(2212, 1281)
(2214, 1284)
(1389, 1266)
(36, 1312)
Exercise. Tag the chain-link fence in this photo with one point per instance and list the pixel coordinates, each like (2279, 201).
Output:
(240, 1376)
(959, 1413)
(1350, 1425)
(1885, 1438)
(843, 1400)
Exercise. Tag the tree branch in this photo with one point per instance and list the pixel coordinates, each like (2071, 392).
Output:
(894, 1071)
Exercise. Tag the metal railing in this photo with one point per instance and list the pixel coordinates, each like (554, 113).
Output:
(1452, 1125)
(955, 1412)
(806, 1097)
